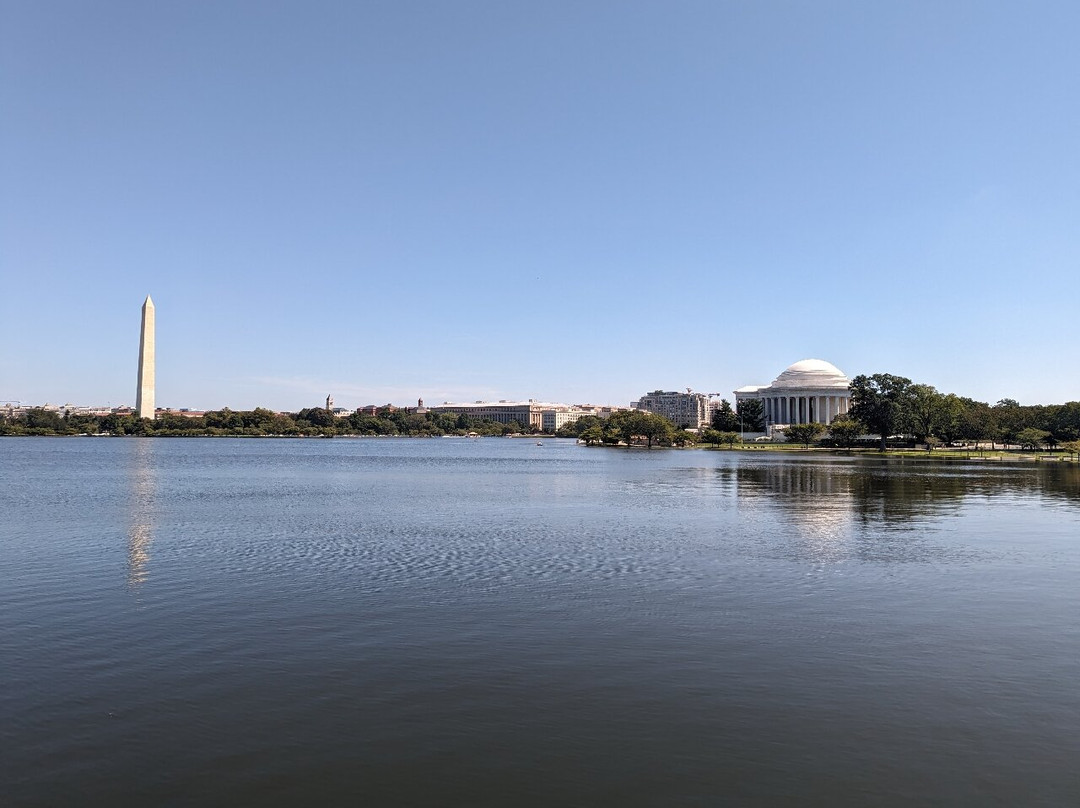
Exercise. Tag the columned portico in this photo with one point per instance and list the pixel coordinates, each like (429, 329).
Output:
(809, 391)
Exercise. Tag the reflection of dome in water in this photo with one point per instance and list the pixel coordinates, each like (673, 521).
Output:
(812, 373)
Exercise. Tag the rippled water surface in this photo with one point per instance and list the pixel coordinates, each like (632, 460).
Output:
(491, 622)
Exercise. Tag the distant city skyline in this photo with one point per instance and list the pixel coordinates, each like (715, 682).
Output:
(570, 203)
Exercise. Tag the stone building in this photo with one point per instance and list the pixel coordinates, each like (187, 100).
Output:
(809, 391)
(687, 410)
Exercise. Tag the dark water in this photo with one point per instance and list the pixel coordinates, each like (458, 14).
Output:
(491, 622)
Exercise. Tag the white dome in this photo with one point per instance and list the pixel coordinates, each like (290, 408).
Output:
(812, 373)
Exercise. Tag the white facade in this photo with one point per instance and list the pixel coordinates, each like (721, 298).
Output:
(810, 391)
(555, 418)
(686, 410)
(527, 413)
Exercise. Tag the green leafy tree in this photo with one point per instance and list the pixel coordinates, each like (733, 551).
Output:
(655, 429)
(43, 421)
(724, 418)
(882, 402)
(804, 433)
(1065, 423)
(117, 424)
(752, 415)
(927, 409)
(1030, 438)
(845, 432)
(950, 416)
(311, 416)
(592, 436)
(574, 429)
(711, 436)
(684, 437)
(629, 426)
(977, 422)
(730, 438)
(1011, 420)
(225, 419)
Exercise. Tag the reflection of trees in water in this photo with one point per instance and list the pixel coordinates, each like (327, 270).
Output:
(891, 491)
(141, 510)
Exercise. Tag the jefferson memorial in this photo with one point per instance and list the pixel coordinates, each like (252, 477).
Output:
(809, 391)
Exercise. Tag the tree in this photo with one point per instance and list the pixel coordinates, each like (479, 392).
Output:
(804, 433)
(226, 419)
(1065, 423)
(592, 436)
(314, 416)
(927, 405)
(882, 402)
(1072, 447)
(845, 431)
(724, 418)
(1011, 420)
(950, 418)
(730, 438)
(977, 421)
(711, 436)
(1030, 438)
(684, 437)
(655, 428)
(628, 425)
(575, 429)
(752, 414)
(44, 420)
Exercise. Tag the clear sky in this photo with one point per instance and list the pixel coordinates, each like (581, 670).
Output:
(567, 201)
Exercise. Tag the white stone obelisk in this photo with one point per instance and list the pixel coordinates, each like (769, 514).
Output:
(144, 398)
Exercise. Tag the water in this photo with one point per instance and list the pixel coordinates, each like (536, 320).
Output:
(491, 622)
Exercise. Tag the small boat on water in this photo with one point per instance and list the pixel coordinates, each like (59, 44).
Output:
(539, 443)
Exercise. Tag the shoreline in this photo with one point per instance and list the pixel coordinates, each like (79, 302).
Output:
(1025, 457)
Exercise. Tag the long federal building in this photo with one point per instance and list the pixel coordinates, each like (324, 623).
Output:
(809, 391)
(536, 414)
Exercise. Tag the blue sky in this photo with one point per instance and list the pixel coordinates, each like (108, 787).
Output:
(577, 202)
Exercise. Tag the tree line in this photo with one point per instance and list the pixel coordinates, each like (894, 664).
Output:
(315, 421)
(630, 427)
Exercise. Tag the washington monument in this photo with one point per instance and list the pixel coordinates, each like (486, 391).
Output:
(144, 398)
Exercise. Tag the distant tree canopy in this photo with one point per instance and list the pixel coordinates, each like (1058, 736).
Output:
(312, 421)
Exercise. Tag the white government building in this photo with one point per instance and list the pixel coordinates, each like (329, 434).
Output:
(809, 391)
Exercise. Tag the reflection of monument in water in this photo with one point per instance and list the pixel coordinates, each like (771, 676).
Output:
(144, 396)
(142, 499)
(814, 499)
(891, 491)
